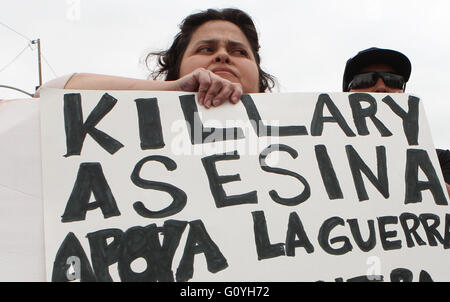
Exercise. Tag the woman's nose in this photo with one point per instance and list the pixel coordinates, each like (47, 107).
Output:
(222, 57)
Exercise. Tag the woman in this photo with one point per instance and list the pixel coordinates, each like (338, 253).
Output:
(215, 54)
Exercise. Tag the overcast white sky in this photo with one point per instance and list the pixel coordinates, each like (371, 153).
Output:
(305, 44)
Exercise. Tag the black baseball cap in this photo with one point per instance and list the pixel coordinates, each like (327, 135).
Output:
(398, 61)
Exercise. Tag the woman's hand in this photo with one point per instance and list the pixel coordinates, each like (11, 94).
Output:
(212, 89)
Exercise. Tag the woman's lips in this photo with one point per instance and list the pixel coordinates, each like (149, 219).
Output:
(223, 70)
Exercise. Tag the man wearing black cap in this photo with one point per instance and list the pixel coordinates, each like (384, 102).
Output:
(377, 70)
(385, 70)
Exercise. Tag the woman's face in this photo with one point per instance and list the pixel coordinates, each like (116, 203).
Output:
(221, 47)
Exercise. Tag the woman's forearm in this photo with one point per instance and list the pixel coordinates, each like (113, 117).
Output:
(212, 89)
(91, 81)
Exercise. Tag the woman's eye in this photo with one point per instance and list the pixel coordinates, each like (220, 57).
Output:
(205, 49)
(240, 52)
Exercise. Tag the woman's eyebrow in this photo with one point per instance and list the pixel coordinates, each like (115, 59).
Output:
(217, 41)
(210, 41)
(235, 43)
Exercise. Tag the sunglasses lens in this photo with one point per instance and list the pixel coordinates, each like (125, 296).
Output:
(393, 80)
(363, 80)
(369, 79)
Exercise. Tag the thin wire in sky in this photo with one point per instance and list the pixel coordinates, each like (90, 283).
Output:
(13, 60)
(11, 29)
(48, 64)
(29, 45)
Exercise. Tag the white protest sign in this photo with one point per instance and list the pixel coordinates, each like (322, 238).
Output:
(137, 186)
(21, 216)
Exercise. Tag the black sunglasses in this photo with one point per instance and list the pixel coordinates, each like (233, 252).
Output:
(368, 79)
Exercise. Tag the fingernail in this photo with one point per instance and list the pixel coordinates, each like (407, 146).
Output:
(234, 99)
(216, 102)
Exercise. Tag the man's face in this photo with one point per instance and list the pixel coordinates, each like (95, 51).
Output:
(379, 86)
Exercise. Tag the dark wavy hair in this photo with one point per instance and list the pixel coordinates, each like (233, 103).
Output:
(169, 60)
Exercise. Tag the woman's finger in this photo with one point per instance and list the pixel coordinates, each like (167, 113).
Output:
(236, 94)
(204, 82)
(224, 94)
(214, 89)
